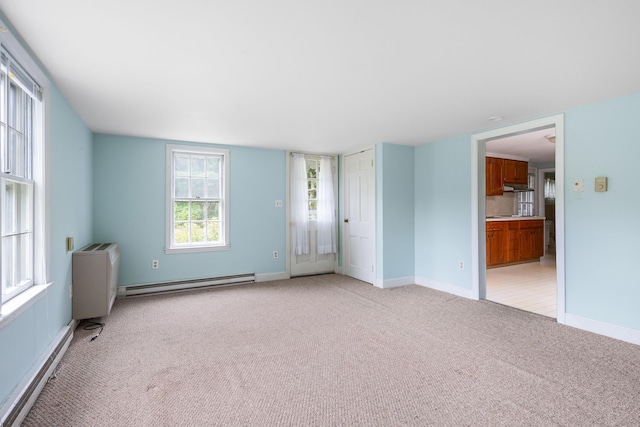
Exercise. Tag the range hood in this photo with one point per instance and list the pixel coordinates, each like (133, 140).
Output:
(516, 188)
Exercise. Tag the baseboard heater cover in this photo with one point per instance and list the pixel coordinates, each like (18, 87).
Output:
(21, 408)
(184, 285)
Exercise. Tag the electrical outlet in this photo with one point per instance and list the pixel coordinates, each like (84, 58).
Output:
(278, 203)
(275, 254)
(154, 264)
(461, 265)
(70, 291)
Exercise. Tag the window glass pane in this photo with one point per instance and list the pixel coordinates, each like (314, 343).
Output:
(16, 153)
(15, 106)
(197, 232)
(312, 169)
(197, 211)
(181, 164)
(213, 188)
(213, 167)
(181, 211)
(181, 187)
(17, 207)
(17, 253)
(197, 187)
(213, 210)
(213, 231)
(197, 166)
(181, 232)
(2, 85)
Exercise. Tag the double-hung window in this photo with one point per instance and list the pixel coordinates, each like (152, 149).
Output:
(20, 127)
(197, 199)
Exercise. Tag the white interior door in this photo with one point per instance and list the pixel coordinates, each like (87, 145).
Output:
(359, 216)
(314, 263)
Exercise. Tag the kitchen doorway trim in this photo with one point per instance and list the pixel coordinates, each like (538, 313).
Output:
(478, 222)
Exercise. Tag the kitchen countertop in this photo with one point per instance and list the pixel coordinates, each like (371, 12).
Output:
(513, 218)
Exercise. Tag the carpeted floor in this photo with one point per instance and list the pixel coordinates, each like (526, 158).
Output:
(330, 350)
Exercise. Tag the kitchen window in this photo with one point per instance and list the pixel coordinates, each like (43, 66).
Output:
(197, 197)
(525, 199)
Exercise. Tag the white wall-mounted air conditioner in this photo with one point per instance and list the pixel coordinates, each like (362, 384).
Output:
(95, 280)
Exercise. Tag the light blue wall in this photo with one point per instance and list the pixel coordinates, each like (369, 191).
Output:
(602, 229)
(25, 340)
(395, 239)
(129, 208)
(443, 211)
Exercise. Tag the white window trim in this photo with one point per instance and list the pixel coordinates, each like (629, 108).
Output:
(192, 149)
(13, 307)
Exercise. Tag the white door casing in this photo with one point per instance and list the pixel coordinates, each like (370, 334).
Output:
(359, 216)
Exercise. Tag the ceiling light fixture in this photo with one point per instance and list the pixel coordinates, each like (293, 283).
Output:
(495, 118)
(551, 138)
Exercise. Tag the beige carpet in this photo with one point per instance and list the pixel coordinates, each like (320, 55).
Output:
(328, 351)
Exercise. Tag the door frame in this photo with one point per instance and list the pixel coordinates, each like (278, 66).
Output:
(336, 188)
(478, 222)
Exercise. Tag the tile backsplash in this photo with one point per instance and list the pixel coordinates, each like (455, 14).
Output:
(501, 205)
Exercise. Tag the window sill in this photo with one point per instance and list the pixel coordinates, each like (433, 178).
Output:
(17, 305)
(196, 249)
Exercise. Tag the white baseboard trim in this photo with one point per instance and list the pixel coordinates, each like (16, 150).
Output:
(400, 281)
(445, 287)
(268, 277)
(19, 403)
(607, 329)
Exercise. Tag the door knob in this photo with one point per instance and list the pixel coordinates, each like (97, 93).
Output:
(346, 220)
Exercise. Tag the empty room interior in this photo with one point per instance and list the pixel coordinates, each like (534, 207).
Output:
(354, 213)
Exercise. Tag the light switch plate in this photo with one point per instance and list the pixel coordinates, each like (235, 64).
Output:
(578, 186)
(601, 184)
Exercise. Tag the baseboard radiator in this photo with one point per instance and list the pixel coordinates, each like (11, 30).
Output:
(185, 285)
(21, 408)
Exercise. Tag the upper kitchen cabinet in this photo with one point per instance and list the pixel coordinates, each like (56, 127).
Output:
(494, 176)
(515, 172)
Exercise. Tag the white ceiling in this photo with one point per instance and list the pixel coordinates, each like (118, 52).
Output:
(328, 76)
(533, 146)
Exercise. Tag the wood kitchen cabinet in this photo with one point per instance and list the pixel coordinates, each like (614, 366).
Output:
(511, 242)
(531, 239)
(515, 172)
(496, 242)
(494, 176)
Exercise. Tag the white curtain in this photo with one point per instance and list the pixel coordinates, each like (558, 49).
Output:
(326, 209)
(299, 206)
(549, 188)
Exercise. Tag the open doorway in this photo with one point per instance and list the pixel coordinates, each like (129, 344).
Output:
(520, 221)
(488, 256)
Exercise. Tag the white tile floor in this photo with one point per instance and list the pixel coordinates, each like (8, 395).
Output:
(530, 287)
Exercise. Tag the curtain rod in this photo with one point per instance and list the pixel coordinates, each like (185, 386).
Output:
(293, 153)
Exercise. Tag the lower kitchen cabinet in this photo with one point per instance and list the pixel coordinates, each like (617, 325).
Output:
(496, 234)
(514, 241)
